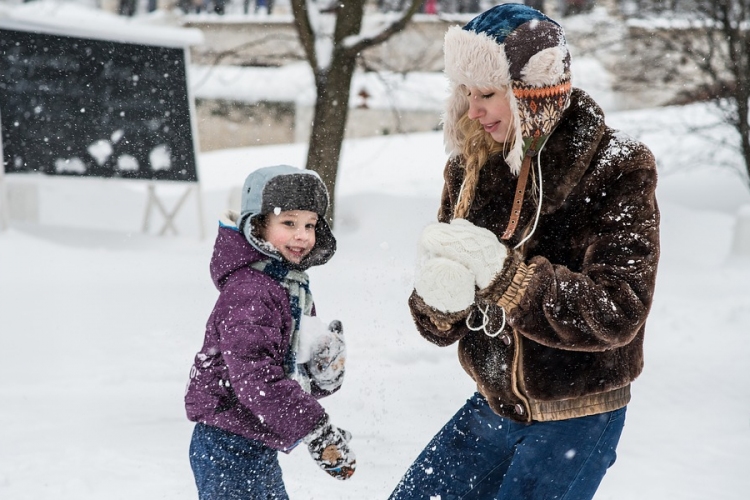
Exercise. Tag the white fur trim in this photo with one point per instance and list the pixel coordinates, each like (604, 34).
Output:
(514, 157)
(476, 60)
(456, 106)
(546, 67)
(229, 218)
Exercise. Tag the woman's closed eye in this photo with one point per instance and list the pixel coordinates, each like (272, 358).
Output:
(488, 95)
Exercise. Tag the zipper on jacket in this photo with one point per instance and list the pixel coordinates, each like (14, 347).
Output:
(516, 377)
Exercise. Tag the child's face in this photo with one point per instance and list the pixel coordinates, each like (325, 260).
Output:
(291, 232)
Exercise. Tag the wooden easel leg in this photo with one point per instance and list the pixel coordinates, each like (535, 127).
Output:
(153, 201)
(169, 215)
(149, 204)
(4, 205)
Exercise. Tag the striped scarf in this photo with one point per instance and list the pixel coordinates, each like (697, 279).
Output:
(300, 299)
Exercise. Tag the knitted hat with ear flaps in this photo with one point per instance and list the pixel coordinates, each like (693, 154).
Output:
(280, 188)
(513, 47)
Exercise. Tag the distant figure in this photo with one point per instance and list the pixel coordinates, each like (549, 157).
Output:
(266, 357)
(220, 6)
(127, 7)
(261, 6)
(430, 7)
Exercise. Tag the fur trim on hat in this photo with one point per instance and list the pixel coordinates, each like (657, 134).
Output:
(508, 47)
(546, 67)
(476, 60)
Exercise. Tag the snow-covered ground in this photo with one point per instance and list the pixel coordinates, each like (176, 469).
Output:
(99, 324)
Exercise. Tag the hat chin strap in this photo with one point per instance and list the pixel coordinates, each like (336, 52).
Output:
(515, 210)
(538, 142)
(530, 150)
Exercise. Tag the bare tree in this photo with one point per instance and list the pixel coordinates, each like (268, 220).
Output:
(731, 18)
(332, 40)
(707, 51)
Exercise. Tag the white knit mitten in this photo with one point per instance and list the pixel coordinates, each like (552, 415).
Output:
(444, 284)
(474, 247)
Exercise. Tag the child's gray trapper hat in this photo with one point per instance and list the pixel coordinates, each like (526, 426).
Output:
(280, 188)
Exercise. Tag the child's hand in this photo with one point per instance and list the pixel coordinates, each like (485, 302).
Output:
(324, 351)
(329, 447)
(326, 366)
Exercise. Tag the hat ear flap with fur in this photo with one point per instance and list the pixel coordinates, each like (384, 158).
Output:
(546, 67)
(456, 107)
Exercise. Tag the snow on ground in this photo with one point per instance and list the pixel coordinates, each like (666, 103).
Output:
(99, 323)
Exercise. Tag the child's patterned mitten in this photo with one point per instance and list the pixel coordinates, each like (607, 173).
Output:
(329, 447)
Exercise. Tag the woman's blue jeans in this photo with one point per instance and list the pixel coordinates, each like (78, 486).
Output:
(480, 455)
(230, 467)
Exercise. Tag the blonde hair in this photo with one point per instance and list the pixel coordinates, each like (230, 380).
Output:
(476, 149)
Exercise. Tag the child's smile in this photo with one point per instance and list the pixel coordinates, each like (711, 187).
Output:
(292, 233)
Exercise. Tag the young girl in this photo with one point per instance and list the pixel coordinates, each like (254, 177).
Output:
(542, 266)
(265, 358)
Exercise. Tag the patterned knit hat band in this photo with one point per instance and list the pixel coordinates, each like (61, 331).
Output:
(540, 109)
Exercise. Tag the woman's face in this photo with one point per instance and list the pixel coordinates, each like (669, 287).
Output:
(491, 109)
(291, 232)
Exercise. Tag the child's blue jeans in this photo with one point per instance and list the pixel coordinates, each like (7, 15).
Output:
(230, 467)
(480, 455)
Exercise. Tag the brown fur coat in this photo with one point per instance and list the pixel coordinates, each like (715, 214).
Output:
(574, 342)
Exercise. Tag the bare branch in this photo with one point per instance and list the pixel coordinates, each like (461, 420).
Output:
(305, 30)
(392, 29)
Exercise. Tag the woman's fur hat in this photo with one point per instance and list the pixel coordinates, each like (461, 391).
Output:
(280, 188)
(514, 47)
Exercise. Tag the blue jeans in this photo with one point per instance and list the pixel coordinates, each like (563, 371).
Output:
(480, 455)
(230, 467)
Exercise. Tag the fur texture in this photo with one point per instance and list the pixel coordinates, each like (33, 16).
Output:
(574, 342)
(519, 50)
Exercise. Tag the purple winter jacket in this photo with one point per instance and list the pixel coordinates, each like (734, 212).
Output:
(237, 382)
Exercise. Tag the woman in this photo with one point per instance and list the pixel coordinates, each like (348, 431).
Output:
(542, 266)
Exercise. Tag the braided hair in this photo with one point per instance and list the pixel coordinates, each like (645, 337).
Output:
(476, 149)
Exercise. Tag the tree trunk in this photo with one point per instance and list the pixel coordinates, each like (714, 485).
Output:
(329, 122)
(742, 95)
(738, 42)
(333, 79)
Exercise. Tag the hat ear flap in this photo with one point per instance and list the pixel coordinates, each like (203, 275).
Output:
(546, 67)
(456, 107)
(514, 157)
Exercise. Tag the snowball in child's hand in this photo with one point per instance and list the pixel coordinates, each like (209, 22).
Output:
(312, 332)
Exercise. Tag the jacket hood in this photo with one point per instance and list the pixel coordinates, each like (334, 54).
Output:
(231, 250)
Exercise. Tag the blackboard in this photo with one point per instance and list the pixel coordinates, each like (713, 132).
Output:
(91, 107)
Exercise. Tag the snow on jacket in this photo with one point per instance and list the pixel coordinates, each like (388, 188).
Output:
(237, 382)
(574, 343)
